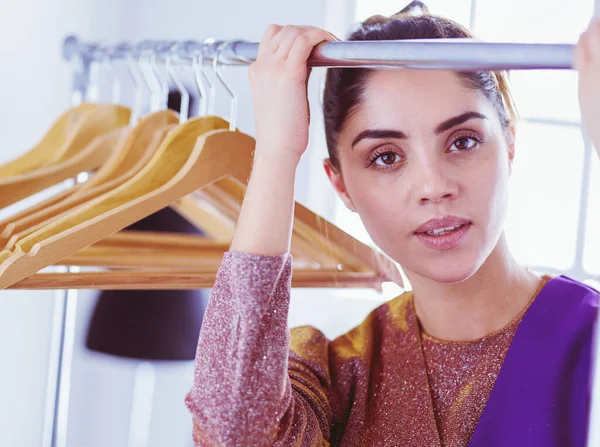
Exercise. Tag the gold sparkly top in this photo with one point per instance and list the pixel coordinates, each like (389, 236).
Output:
(383, 383)
(461, 376)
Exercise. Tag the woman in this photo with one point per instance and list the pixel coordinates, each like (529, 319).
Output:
(482, 352)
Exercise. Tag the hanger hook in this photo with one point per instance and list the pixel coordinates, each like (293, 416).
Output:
(94, 85)
(208, 45)
(108, 67)
(78, 66)
(185, 96)
(197, 61)
(217, 64)
(133, 64)
(148, 74)
(151, 75)
(163, 82)
(201, 79)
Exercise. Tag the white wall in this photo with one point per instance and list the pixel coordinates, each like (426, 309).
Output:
(34, 90)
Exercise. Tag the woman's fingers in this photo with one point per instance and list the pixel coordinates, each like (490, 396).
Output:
(278, 79)
(304, 44)
(281, 40)
(266, 42)
(289, 36)
(580, 56)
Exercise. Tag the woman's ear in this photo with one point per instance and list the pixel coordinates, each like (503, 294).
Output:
(510, 135)
(335, 177)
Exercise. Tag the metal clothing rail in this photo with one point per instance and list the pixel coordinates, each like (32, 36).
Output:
(447, 54)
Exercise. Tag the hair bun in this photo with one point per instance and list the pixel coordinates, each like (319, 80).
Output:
(414, 8)
(376, 20)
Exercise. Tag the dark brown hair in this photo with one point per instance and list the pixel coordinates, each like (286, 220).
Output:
(344, 86)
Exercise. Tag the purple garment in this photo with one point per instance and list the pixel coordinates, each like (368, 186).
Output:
(542, 395)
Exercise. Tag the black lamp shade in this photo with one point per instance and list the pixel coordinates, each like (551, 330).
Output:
(149, 324)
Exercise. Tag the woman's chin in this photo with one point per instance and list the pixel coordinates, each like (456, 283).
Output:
(448, 272)
(450, 277)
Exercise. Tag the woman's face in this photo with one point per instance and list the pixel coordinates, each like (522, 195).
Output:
(423, 146)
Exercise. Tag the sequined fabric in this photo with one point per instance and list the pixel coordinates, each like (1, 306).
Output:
(241, 391)
(461, 377)
(259, 384)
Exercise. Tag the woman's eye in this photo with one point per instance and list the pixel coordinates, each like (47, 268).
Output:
(387, 159)
(464, 143)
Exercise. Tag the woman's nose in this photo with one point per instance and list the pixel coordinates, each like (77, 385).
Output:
(435, 184)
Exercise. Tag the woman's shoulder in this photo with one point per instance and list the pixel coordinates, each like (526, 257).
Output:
(566, 306)
(573, 293)
(358, 341)
(575, 284)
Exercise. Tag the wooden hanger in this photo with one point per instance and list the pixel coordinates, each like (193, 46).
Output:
(158, 249)
(150, 249)
(228, 206)
(136, 150)
(18, 187)
(181, 166)
(83, 152)
(96, 121)
(158, 256)
(15, 227)
(206, 217)
(53, 141)
(174, 171)
(161, 279)
(126, 161)
(108, 170)
(110, 139)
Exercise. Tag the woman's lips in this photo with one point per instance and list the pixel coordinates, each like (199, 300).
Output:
(447, 241)
(441, 222)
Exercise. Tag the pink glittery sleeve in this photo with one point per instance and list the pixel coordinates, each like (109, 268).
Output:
(249, 388)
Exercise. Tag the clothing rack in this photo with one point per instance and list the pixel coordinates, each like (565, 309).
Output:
(447, 54)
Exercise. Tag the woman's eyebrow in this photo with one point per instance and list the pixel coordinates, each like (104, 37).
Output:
(459, 119)
(378, 134)
(442, 127)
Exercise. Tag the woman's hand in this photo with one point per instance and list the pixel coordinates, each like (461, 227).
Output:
(587, 63)
(279, 78)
